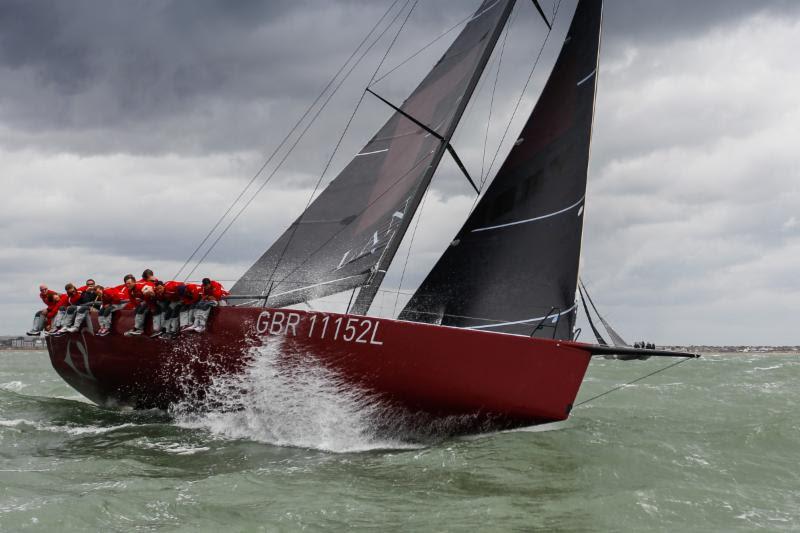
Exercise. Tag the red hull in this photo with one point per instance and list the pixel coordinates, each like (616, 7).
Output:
(439, 371)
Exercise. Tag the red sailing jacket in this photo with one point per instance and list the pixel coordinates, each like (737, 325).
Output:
(193, 294)
(214, 291)
(149, 299)
(171, 291)
(135, 295)
(45, 296)
(115, 295)
(53, 307)
(75, 298)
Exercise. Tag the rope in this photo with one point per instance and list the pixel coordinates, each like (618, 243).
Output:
(291, 149)
(632, 382)
(283, 142)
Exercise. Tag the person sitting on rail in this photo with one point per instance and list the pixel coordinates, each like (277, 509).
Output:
(89, 299)
(40, 319)
(114, 299)
(190, 294)
(134, 293)
(165, 317)
(213, 294)
(66, 313)
(148, 277)
(57, 313)
(146, 306)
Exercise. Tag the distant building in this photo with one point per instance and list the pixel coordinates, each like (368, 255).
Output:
(24, 343)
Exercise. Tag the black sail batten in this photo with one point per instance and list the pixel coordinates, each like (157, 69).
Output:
(350, 232)
(515, 260)
(616, 338)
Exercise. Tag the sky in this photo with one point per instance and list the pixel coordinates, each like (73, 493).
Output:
(127, 128)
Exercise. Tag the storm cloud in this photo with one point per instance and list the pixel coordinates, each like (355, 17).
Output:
(127, 128)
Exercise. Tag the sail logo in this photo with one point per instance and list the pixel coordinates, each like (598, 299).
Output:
(86, 371)
(378, 240)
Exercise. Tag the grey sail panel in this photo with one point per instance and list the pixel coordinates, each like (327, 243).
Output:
(515, 260)
(337, 241)
(616, 338)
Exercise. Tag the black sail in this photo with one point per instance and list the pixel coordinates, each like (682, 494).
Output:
(513, 267)
(358, 220)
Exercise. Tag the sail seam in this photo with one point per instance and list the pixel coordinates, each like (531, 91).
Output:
(317, 285)
(573, 206)
(584, 80)
(373, 152)
(554, 315)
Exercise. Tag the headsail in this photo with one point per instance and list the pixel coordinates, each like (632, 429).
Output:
(616, 338)
(354, 226)
(514, 264)
(597, 334)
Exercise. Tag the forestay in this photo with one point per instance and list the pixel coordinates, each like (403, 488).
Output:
(351, 231)
(513, 266)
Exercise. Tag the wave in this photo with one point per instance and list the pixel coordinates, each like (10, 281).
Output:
(22, 423)
(294, 400)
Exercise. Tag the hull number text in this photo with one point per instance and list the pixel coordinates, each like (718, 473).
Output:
(359, 330)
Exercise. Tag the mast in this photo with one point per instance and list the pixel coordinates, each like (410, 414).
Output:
(368, 292)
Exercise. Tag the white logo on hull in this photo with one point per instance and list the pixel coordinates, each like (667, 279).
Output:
(81, 344)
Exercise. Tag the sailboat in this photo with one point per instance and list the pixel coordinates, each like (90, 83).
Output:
(488, 333)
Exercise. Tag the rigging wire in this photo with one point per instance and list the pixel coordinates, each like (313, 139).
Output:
(522, 93)
(284, 140)
(634, 381)
(431, 43)
(344, 132)
(291, 149)
(491, 101)
(410, 246)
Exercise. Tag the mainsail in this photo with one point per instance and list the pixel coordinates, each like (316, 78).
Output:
(513, 266)
(348, 235)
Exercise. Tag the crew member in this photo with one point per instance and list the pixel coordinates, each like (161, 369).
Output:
(40, 319)
(147, 305)
(168, 301)
(55, 303)
(89, 299)
(190, 294)
(213, 294)
(114, 299)
(66, 313)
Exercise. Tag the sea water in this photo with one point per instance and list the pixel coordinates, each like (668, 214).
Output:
(710, 445)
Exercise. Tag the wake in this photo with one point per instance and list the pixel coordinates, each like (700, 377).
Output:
(301, 405)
